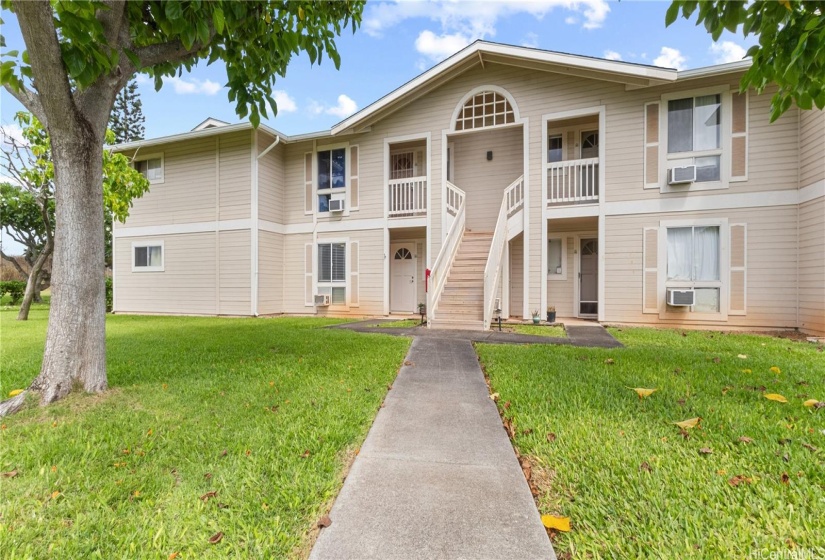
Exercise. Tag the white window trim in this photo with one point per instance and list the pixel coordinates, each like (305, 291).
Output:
(343, 192)
(666, 312)
(158, 155)
(563, 276)
(665, 158)
(159, 243)
(337, 284)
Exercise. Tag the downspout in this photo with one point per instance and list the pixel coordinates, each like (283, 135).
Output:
(275, 143)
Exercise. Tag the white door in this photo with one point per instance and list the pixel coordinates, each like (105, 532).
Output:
(589, 277)
(403, 281)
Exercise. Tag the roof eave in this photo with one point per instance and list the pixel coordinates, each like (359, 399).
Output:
(194, 134)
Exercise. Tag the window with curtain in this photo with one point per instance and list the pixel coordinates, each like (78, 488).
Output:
(332, 271)
(555, 260)
(693, 262)
(151, 168)
(147, 257)
(332, 168)
(694, 128)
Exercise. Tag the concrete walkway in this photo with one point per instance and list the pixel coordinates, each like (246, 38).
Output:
(590, 335)
(437, 476)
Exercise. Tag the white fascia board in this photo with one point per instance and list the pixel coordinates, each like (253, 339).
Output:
(727, 68)
(192, 134)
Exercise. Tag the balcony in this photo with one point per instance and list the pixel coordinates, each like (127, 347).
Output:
(408, 197)
(573, 182)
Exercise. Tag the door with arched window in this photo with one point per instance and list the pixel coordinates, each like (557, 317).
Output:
(403, 280)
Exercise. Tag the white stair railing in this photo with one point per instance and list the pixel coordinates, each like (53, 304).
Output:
(441, 267)
(573, 181)
(408, 197)
(492, 271)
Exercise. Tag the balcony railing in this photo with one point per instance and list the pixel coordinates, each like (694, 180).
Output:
(408, 197)
(573, 181)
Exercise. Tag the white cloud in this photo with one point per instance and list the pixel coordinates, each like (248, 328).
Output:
(670, 58)
(727, 51)
(439, 47)
(285, 103)
(12, 132)
(477, 19)
(612, 55)
(193, 86)
(531, 40)
(345, 107)
(570, 20)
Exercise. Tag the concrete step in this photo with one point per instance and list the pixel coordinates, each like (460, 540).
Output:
(472, 310)
(477, 284)
(466, 275)
(463, 291)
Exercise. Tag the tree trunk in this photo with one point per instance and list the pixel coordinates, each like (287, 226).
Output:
(33, 282)
(76, 337)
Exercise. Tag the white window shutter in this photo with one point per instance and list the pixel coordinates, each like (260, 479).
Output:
(308, 198)
(309, 295)
(651, 155)
(739, 137)
(354, 299)
(738, 290)
(650, 271)
(353, 178)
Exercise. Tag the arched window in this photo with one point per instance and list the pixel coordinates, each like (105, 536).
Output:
(485, 109)
(403, 254)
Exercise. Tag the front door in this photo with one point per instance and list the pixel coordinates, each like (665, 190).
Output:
(403, 281)
(589, 277)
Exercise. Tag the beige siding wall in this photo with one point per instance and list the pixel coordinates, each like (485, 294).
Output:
(811, 147)
(234, 258)
(293, 274)
(484, 181)
(812, 266)
(188, 191)
(294, 183)
(271, 272)
(771, 266)
(235, 176)
(371, 270)
(517, 277)
(270, 180)
(188, 283)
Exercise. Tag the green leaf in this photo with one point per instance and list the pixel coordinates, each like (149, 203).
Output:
(671, 14)
(218, 20)
(173, 9)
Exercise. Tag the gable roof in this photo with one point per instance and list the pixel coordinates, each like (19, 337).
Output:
(480, 52)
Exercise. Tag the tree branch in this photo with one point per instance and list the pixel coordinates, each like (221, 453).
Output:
(171, 51)
(30, 101)
(50, 78)
(13, 261)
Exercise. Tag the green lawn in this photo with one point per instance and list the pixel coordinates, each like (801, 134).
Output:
(535, 330)
(264, 412)
(631, 484)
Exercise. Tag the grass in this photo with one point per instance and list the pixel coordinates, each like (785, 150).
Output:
(631, 483)
(536, 330)
(264, 412)
(399, 324)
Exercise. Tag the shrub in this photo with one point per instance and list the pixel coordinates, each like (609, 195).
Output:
(15, 289)
(109, 296)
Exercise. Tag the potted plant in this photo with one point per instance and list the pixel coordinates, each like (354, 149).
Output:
(551, 314)
(536, 317)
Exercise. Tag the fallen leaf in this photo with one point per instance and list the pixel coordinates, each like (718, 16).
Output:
(165, 386)
(10, 474)
(54, 468)
(507, 405)
(690, 423)
(645, 466)
(785, 478)
(248, 452)
(15, 392)
(705, 451)
(717, 359)
(810, 402)
(739, 479)
(610, 361)
(495, 397)
(223, 453)
(746, 370)
(55, 495)
(775, 397)
(809, 447)
(643, 393)
(745, 439)
(173, 555)
(408, 363)
(324, 522)
(819, 405)
(216, 538)
(776, 370)
(742, 356)
(726, 389)
(222, 505)
(721, 472)
(554, 522)
(551, 437)
(305, 454)
(210, 494)
(149, 432)
(207, 476)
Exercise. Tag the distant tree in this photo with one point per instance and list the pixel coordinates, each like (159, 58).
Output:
(27, 210)
(791, 49)
(126, 120)
(78, 57)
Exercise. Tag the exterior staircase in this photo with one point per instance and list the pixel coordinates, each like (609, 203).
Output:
(461, 305)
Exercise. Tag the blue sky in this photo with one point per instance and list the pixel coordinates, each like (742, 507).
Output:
(399, 40)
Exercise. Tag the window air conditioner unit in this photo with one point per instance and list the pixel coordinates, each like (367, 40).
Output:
(322, 300)
(680, 298)
(681, 175)
(336, 205)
